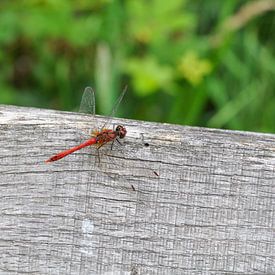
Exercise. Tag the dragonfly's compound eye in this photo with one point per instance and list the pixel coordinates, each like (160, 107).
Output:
(121, 131)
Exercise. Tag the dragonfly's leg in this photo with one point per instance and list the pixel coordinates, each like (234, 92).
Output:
(112, 145)
(114, 142)
(99, 146)
(98, 155)
(97, 149)
(118, 142)
(114, 127)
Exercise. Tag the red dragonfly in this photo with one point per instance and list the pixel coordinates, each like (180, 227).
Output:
(99, 138)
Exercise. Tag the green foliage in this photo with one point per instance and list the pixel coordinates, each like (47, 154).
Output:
(148, 76)
(189, 62)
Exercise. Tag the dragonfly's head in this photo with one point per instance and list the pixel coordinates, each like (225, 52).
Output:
(121, 131)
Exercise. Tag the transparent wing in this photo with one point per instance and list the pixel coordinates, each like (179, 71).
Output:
(118, 102)
(115, 106)
(87, 104)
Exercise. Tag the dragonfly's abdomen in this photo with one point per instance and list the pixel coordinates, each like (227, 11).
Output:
(63, 154)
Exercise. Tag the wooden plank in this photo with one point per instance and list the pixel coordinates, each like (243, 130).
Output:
(204, 200)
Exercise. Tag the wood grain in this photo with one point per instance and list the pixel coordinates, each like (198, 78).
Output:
(204, 200)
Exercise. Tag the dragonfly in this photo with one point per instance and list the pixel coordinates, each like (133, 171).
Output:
(98, 138)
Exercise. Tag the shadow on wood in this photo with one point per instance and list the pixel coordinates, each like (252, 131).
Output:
(203, 199)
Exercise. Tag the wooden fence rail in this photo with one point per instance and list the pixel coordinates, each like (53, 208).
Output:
(204, 199)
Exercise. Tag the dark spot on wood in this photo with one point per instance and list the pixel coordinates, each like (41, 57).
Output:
(156, 173)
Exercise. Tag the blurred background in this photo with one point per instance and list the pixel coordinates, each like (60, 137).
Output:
(204, 63)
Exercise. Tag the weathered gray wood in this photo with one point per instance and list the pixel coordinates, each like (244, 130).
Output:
(210, 210)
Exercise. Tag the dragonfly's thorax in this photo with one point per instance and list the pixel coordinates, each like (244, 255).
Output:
(106, 135)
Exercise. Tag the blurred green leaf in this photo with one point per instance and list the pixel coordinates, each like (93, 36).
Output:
(148, 19)
(148, 76)
(193, 68)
